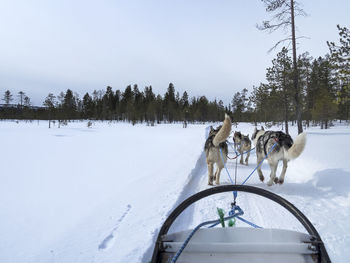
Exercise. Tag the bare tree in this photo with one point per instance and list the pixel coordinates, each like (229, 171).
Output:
(284, 13)
(21, 95)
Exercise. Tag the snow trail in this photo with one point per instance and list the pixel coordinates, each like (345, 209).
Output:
(316, 183)
(323, 195)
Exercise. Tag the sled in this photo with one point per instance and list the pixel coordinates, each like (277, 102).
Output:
(239, 244)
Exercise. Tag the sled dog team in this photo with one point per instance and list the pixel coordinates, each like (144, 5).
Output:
(285, 149)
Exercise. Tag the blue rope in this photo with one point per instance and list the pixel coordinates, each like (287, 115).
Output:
(213, 222)
(235, 212)
(239, 210)
(260, 163)
(239, 154)
(222, 159)
(235, 192)
(249, 223)
(233, 148)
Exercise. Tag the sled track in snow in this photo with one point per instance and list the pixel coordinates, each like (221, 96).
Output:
(191, 187)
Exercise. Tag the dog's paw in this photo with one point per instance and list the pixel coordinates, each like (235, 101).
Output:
(276, 180)
(281, 181)
(210, 180)
(261, 177)
(217, 183)
(269, 183)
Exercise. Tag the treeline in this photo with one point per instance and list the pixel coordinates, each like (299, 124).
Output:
(324, 84)
(130, 105)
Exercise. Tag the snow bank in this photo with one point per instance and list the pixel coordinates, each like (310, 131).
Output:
(76, 194)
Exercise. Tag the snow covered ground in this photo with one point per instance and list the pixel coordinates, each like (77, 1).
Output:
(100, 194)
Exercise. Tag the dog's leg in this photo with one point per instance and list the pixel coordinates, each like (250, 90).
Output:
(273, 167)
(241, 161)
(246, 158)
(217, 174)
(283, 173)
(210, 173)
(261, 176)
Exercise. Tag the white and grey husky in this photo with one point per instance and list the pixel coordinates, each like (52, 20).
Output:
(284, 150)
(216, 141)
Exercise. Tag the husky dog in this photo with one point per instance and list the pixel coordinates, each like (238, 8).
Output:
(284, 150)
(215, 142)
(242, 144)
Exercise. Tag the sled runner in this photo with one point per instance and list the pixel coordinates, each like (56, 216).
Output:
(238, 244)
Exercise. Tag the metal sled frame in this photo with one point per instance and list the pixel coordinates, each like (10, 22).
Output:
(321, 254)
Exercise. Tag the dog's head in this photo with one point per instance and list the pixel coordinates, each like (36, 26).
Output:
(213, 131)
(237, 137)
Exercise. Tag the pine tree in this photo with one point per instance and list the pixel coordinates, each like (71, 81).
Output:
(340, 60)
(69, 105)
(169, 105)
(239, 105)
(324, 106)
(184, 104)
(284, 17)
(50, 102)
(305, 70)
(150, 105)
(279, 77)
(7, 97)
(88, 106)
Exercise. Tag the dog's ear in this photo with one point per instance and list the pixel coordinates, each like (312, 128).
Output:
(262, 128)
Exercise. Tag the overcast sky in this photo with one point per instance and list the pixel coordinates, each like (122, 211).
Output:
(205, 47)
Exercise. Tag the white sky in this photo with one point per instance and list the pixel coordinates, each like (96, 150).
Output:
(205, 47)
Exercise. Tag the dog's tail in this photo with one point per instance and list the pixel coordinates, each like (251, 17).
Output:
(297, 147)
(224, 132)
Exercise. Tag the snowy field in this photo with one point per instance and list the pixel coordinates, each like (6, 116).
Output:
(100, 194)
